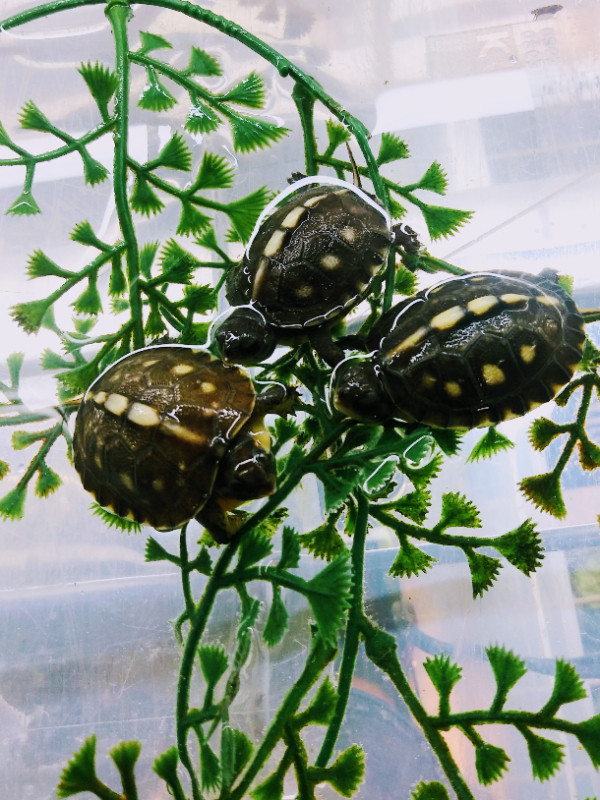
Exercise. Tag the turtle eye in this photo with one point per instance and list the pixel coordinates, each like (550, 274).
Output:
(244, 337)
(358, 391)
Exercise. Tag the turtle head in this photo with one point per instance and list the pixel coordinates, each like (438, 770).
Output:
(358, 391)
(244, 337)
(247, 469)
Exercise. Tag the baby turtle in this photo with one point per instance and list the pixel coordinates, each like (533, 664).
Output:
(469, 352)
(312, 257)
(170, 433)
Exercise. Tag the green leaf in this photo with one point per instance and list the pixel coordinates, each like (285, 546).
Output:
(243, 213)
(380, 482)
(14, 362)
(4, 469)
(545, 493)
(590, 358)
(31, 118)
(254, 547)
(484, 571)
(114, 521)
(589, 454)
(143, 198)
(191, 220)
(290, 549)
(4, 137)
(83, 233)
(151, 41)
(338, 484)
(203, 562)
(458, 512)
(40, 266)
(324, 541)
(270, 789)
(208, 239)
(277, 619)
(80, 773)
(118, 283)
(12, 505)
(432, 790)
(237, 749)
(414, 505)
(410, 560)
(248, 92)
(522, 547)
(213, 663)
(147, 256)
(391, 149)
(321, 708)
(508, 669)
(89, 301)
(397, 210)
(22, 439)
(444, 675)
(124, 757)
(489, 445)
(448, 440)
(175, 154)
(165, 766)
(542, 432)
(155, 96)
(347, 771)
(337, 134)
(177, 264)
(24, 205)
(93, 171)
(329, 597)
(545, 755)
(568, 688)
(405, 281)
(253, 133)
(154, 551)
(199, 299)
(201, 63)
(443, 221)
(200, 118)
(588, 734)
(47, 482)
(490, 763)
(215, 172)
(79, 378)
(100, 80)
(422, 476)
(52, 361)
(210, 768)
(434, 180)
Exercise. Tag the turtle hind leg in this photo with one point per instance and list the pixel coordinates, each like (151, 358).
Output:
(222, 525)
(323, 344)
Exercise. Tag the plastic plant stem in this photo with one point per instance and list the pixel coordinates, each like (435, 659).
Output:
(352, 635)
(318, 658)
(198, 621)
(381, 650)
(305, 103)
(118, 15)
(299, 758)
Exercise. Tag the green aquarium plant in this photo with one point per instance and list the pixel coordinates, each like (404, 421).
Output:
(154, 293)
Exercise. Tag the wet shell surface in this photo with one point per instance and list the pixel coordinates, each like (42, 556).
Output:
(314, 257)
(476, 350)
(152, 429)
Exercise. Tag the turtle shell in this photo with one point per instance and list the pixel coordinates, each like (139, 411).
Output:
(152, 429)
(314, 257)
(475, 350)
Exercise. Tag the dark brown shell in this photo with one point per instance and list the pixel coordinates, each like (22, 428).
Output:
(313, 258)
(479, 349)
(152, 429)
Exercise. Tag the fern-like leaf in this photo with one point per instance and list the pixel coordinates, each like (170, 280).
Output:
(329, 597)
(202, 63)
(337, 134)
(277, 619)
(432, 790)
(490, 762)
(522, 547)
(458, 512)
(40, 266)
(80, 773)
(545, 755)
(443, 221)
(215, 172)
(324, 541)
(321, 708)
(545, 493)
(589, 454)
(508, 668)
(151, 41)
(31, 118)
(114, 521)
(568, 688)
(191, 220)
(175, 154)
(391, 149)
(249, 92)
(253, 133)
(155, 96)
(244, 212)
(201, 118)
(30, 316)
(101, 82)
(410, 560)
(93, 171)
(347, 771)
(542, 432)
(210, 768)
(143, 198)
(89, 301)
(434, 180)
(24, 206)
(213, 663)
(444, 674)
(47, 481)
(12, 505)
(489, 445)
(484, 571)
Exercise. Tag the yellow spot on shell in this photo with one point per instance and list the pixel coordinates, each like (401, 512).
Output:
(481, 305)
(446, 320)
(453, 389)
(158, 485)
(304, 291)
(116, 404)
(207, 387)
(527, 353)
(492, 374)
(293, 217)
(330, 261)
(182, 369)
(314, 200)
(98, 461)
(260, 276)
(100, 397)
(149, 362)
(348, 233)
(406, 344)
(143, 415)
(428, 381)
(181, 432)
(273, 246)
(126, 480)
(548, 300)
(512, 299)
